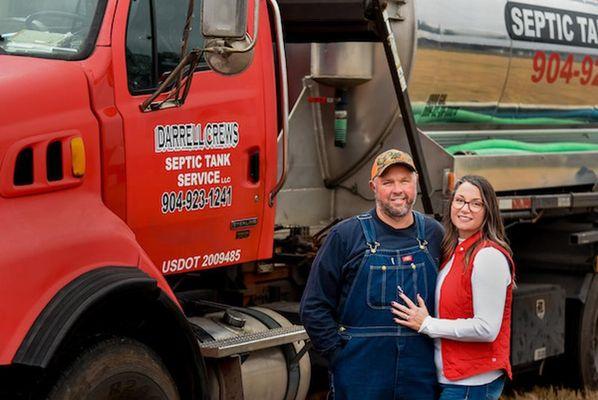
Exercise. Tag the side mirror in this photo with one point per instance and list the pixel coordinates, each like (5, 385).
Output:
(228, 47)
(224, 19)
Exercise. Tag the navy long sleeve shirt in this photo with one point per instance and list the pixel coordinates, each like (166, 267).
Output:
(335, 268)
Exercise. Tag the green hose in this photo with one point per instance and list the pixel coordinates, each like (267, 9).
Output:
(503, 146)
(463, 116)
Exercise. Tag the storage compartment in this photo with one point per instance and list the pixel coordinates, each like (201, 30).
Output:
(514, 160)
(538, 324)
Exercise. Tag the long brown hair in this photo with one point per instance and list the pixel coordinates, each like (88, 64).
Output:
(492, 227)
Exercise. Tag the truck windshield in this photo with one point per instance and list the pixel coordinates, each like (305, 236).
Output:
(63, 29)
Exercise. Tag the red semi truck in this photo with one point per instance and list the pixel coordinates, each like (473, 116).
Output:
(101, 200)
(147, 245)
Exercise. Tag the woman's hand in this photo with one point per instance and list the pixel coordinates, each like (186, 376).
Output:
(411, 316)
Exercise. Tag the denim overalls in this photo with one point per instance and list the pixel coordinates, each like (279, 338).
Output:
(381, 359)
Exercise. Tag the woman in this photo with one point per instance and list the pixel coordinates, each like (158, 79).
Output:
(473, 297)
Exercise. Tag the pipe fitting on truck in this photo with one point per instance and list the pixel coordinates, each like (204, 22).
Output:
(340, 118)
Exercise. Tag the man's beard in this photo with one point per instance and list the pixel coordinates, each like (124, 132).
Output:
(395, 212)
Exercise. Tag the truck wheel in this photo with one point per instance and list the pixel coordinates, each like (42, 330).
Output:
(588, 339)
(116, 369)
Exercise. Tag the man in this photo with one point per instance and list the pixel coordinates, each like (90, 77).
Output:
(363, 265)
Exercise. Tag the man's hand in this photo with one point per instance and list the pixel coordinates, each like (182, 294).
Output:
(411, 316)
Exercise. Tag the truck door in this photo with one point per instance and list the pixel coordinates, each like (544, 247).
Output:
(194, 187)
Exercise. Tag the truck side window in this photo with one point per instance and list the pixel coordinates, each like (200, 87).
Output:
(139, 52)
(154, 37)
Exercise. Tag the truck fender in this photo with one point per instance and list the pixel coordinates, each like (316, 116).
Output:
(71, 302)
(81, 295)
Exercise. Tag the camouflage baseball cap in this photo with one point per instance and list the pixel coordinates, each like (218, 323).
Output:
(391, 157)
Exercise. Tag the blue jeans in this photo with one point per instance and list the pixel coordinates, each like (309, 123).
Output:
(489, 391)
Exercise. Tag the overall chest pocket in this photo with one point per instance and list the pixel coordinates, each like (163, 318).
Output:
(383, 282)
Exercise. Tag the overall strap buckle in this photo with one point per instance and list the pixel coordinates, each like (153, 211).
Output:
(373, 247)
(420, 223)
(369, 232)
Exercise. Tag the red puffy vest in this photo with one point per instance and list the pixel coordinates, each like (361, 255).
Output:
(464, 359)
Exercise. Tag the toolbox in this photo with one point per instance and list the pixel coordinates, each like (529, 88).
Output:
(538, 323)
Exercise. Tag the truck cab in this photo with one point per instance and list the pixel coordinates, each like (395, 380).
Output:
(103, 198)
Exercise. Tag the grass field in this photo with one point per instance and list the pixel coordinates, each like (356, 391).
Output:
(534, 394)
(551, 394)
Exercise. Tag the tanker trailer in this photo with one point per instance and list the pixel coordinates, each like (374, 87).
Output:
(504, 89)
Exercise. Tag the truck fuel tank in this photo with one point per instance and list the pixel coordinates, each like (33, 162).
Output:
(253, 353)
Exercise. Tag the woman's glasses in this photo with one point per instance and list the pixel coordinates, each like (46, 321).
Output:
(474, 205)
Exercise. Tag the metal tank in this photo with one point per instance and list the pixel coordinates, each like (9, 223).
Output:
(489, 69)
(506, 63)
(274, 372)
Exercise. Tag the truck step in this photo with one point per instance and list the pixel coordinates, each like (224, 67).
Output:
(252, 342)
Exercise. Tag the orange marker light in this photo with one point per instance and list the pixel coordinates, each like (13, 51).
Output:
(78, 157)
(448, 182)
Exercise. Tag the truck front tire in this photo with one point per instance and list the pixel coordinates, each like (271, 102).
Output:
(116, 369)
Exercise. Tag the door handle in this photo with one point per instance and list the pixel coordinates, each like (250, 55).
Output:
(254, 167)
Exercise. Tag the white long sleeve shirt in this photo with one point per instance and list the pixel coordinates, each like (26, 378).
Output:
(489, 280)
